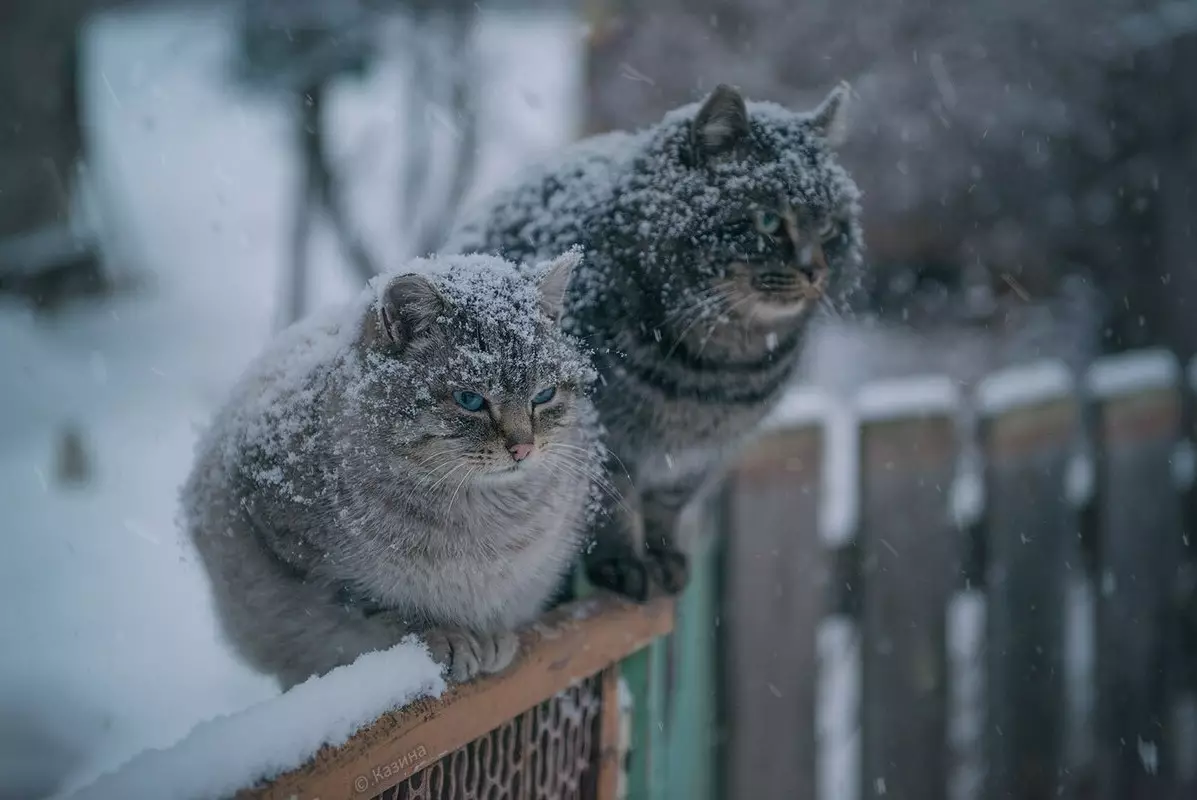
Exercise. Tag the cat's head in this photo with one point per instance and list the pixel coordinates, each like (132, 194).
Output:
(466, 373)
(749, 202)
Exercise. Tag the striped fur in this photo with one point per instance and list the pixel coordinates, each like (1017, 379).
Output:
(699, 234)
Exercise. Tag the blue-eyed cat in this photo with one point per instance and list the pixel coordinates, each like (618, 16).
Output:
(710, 238)
(419, 461)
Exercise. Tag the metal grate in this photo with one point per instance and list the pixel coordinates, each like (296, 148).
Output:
(548, 753)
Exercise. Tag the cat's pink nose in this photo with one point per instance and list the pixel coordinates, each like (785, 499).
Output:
(520, 451)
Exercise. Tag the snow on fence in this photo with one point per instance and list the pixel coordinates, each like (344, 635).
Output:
(937, 594)
(925, 593)
(549, 727)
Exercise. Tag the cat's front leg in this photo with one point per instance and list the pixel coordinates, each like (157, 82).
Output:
(661, 509)
(613, 559)
(635, 543)
(467, 654)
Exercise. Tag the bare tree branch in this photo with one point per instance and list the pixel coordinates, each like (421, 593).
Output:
(462, 105)
(417, 140)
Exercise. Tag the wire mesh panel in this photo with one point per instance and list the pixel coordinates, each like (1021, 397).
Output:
(546, 753)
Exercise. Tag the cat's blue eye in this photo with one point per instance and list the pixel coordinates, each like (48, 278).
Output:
(544, 396)
(767, 222)
(470, 401)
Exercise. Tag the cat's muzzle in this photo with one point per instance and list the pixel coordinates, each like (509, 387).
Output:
(790, 285)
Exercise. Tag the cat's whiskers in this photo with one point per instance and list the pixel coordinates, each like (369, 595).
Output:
(582, 470)
(700, 309)
(589, 478)
(569, 461)
(430, 480)
(432, 469)
(828, 305)
(697, 299)
(445, 477)
(436, 459)
(715, 326)
(469, 474)
(587, 451)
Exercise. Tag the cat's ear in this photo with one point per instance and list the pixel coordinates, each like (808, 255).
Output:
(830, 119)
(555, 281)
(408, 308)
(721, 122)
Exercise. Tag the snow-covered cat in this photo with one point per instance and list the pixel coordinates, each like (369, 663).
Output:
(420, 461)
(710, 239)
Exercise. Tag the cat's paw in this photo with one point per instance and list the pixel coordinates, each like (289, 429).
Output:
(465, 654)
(628, 575)
(670, 569)
(498, 651)
(634, 576)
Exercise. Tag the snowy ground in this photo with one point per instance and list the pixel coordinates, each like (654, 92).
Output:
(107, 644)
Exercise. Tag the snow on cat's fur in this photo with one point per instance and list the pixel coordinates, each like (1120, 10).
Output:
(346, 496)
(710, 239)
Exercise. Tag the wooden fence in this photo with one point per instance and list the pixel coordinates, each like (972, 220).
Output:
(932, 593)
(549, 728)
(924, 594)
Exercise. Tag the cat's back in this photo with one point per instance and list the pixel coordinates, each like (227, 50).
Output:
(273, 408)
(546, 209)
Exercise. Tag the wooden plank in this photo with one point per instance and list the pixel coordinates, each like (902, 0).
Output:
(1185, 711)
(910, 563)
(1032, 554)
(775, 584)
(1139, 551)
(607, 782)
(572, 642)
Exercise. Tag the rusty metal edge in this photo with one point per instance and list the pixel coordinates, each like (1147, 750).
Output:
(569, 644)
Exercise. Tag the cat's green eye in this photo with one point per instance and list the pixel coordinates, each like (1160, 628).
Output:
(470, 401)
(767, 222)
(544, 396)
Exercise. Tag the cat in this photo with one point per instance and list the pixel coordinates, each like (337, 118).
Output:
(710, 239)
(418, 461)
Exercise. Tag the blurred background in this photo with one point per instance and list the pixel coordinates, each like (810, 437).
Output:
(960, 564)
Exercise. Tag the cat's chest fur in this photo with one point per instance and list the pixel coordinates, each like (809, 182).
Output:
(671, 441)
(483, 562)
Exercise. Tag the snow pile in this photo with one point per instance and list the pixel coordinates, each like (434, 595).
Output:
(224, 755)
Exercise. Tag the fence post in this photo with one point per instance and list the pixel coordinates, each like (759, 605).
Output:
(1029, 424)
(910, 554)
(1185, 743)
(1139, 552)
(774, 584)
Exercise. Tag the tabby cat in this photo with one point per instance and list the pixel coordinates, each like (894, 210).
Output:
(420, 461)
(711, 238)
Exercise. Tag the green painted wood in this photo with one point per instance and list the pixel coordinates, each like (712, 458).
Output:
(673, 685)
(644, 675)
(690, 749)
